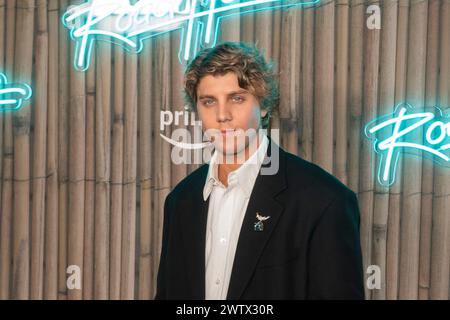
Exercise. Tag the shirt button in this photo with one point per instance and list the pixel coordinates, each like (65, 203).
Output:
(223, 240)
(217, 281)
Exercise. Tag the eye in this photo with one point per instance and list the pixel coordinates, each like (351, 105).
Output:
(208, 102)
(238, 99)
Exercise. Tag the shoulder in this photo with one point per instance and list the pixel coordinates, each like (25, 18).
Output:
(313, 180)
(322, 194)
(190, 186)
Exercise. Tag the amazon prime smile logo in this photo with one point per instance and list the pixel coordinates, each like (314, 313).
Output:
(193, 145)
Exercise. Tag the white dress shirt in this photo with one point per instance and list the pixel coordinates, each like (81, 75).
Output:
(226, 212)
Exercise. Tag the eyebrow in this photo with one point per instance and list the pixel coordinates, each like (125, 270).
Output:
(229, 94)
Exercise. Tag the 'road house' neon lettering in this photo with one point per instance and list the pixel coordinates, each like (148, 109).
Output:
(403, 126)
(12, 95)
(130, 24)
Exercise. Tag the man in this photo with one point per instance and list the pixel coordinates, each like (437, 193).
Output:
(231, 232)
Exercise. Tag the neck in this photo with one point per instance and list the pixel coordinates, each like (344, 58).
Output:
(226, 168)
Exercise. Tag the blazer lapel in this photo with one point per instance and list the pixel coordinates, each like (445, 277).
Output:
(251, 243)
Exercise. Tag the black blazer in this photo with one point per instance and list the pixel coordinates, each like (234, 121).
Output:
(309, 248)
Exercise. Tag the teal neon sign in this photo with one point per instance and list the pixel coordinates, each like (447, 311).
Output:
(12, 95)
(399, 132)
(128, 25)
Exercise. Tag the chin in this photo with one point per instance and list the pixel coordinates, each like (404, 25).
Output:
(234, 149)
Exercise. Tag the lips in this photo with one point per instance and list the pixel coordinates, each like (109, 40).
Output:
(227, 132)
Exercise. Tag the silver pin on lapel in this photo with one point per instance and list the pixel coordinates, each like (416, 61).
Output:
(259, 225)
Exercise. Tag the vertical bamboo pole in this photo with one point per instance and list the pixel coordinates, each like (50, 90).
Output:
(395, 200)
(137, 234)
(89, 200)
(77, 173)
(7, 183)
(162, 163)
(102, 170)
(269, 48)
(51, 215)
(412, 178)
(117, 176)
(65, 65)
(2, 65)
(307, 84)
(440, 255)
(179, 171)
(367, 157)
(431, 94)
(39, 154)
(21, 215)
(385, 105)
(146, 255)
(263, 31)
(355, 90)
(341, 111)
(247, 27)
(127, 285)
(276, 36)
(230, 28)
(324, 86)
(290, 58)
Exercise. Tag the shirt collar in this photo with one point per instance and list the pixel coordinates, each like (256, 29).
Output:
(243, 177)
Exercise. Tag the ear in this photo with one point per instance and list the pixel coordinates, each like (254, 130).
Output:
(263, 113)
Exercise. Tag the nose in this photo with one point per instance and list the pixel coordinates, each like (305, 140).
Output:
(223, 113)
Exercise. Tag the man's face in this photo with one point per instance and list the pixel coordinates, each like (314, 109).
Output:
(228, 111)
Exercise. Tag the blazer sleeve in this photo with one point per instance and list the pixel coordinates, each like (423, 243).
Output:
(335, 262)
(161, 290)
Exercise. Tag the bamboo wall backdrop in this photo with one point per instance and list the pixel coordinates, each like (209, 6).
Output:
(84, 172)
